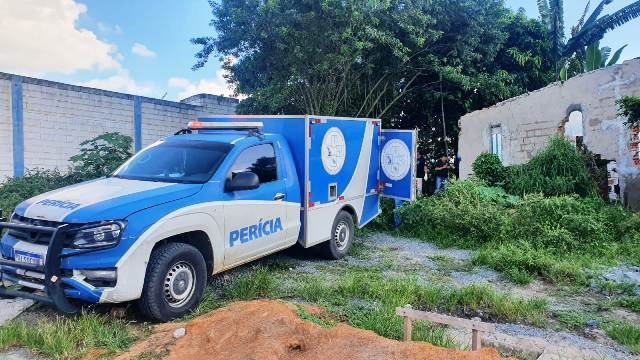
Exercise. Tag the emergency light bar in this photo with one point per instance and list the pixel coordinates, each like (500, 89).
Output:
(197, 125)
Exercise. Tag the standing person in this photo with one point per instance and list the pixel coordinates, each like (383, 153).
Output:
(421, 172)
(441, 171)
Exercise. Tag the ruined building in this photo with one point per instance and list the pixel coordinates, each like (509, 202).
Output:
(581, 109)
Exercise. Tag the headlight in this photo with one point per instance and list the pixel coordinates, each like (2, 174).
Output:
(100, 235)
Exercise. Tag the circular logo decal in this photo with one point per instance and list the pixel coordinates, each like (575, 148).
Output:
(396, 159)
(334, 151)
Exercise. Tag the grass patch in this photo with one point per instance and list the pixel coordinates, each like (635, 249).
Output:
(522, 263)
(630, 303)
(625, 333)
(449, 264)
(260, 282)
(610, 288)
(322, 321)
(375, 288)
(68, 337)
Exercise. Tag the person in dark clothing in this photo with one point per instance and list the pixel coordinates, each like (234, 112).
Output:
(441, 171)
(421, 172)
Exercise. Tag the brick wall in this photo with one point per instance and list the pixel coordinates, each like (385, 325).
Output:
(58, 117)
(528, 121)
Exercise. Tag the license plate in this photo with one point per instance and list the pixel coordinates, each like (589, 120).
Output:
(28, 258)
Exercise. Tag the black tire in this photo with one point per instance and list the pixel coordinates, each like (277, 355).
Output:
(342, 235)
(166, 294)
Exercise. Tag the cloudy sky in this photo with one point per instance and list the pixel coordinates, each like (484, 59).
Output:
(142, 46)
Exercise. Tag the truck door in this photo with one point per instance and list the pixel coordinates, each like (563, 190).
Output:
(398, 164)
(256, 220)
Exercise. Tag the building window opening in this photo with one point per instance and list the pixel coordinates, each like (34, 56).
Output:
(496, 141)
(573, 129)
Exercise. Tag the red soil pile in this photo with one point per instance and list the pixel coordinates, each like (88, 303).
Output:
(272, 330)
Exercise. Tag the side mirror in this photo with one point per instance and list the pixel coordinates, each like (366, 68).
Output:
(242, 181)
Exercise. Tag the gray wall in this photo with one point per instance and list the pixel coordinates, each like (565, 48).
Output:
(42, 123)
(529, 120)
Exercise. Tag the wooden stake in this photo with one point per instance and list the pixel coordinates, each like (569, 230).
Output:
(476, 340)
(408, 328)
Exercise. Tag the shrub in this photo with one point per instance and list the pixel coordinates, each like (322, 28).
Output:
(34, 182)
(466, 214)
(629, 107)
(489, 168)
(98, 157)
(102, 155)
(559, 169)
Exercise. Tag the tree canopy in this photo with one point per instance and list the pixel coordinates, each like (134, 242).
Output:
(406, 61)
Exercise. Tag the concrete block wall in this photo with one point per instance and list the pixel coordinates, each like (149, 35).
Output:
(55, 118)
(528, 121)
(160, 119)
(6, 138)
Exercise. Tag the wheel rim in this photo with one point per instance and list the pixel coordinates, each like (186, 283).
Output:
(341, 236)
(179, 284)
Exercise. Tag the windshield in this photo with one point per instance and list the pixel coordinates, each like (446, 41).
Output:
(186, 161)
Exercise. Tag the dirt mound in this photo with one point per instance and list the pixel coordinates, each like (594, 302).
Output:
(272, 330)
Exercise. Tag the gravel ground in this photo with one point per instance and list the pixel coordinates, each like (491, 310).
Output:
(403, 253)
(612, 351)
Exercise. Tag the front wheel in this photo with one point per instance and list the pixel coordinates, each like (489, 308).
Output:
(174, 283)
(342, 235)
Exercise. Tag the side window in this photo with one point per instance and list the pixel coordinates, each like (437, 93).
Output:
(259, 159)
(496, 140)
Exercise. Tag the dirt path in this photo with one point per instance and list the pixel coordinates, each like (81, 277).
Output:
(272, 330)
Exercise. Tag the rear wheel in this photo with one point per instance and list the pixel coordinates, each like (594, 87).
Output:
(342, 235)
(174, 283)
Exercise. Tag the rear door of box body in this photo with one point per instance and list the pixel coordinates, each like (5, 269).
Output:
(398, 164)
(343, 162)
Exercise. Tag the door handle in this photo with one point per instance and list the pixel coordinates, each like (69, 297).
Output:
(279, 196)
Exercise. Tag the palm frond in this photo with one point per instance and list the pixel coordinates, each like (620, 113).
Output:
(596, 12)
(543, 9)
(605, 52)
(557, 25)
(596, 30)
(578, 26)
(616, 56)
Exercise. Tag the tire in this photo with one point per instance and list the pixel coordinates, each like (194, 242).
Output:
(342, 235)
(174, 282)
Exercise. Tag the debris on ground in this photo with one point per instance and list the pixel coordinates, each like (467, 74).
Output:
(265, 329)
(624, 275)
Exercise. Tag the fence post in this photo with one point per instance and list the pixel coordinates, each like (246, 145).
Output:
(408, 326)
(476, 338)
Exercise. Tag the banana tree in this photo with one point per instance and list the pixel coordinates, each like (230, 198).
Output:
(587, 32)
(596, 57)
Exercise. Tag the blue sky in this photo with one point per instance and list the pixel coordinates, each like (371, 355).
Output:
(143, 47)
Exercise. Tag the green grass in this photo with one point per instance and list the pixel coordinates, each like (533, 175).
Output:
(68, 337)
(258, 283)
(625, 333)
(630, 303)
(522, 263)
(318, 320)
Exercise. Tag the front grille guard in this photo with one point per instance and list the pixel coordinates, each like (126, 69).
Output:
(53, 287)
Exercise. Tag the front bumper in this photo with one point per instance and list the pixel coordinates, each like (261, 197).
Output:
(49, 282)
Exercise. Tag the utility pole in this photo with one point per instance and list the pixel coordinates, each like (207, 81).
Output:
(444, 124)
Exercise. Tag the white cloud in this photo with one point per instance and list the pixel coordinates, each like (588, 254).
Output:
(141, 50)
(214, 86)
(38, 37)
(104, 28)
(121, 82)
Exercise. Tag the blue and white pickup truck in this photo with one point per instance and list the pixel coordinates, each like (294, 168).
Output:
(220, 193)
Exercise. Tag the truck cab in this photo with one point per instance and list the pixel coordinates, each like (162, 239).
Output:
(214, 196)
